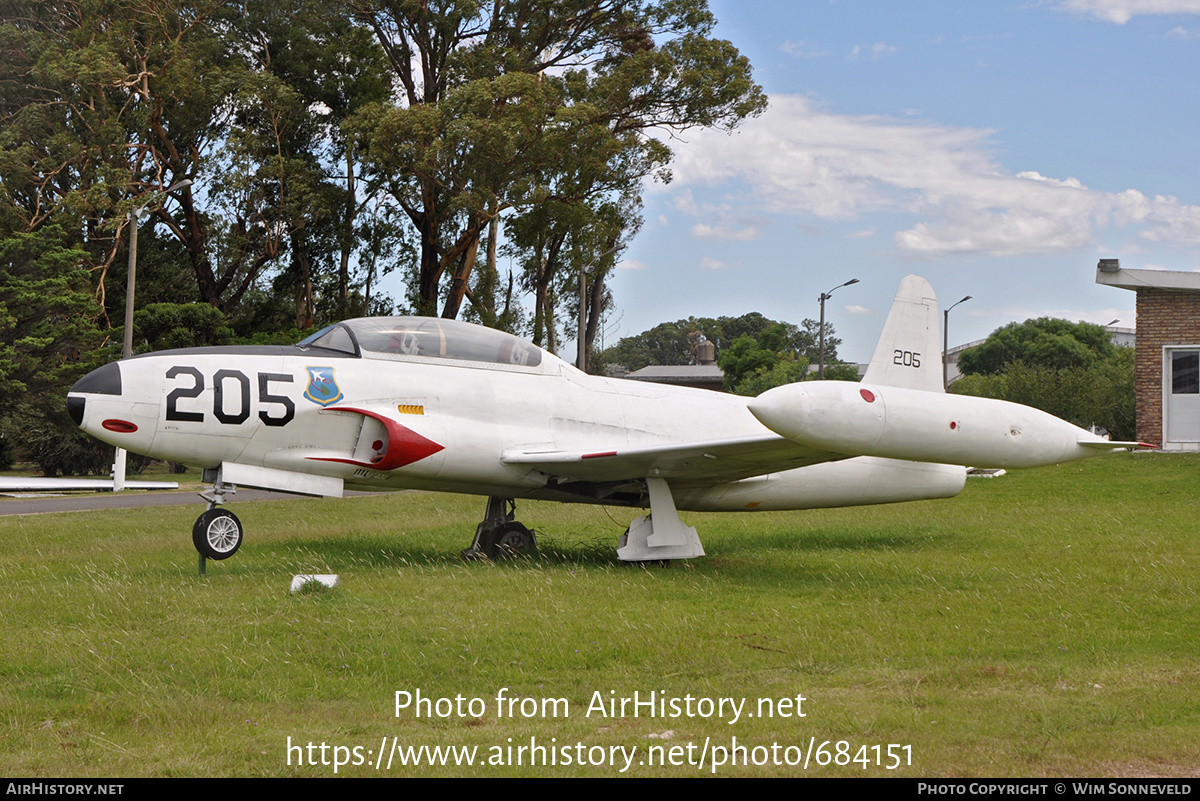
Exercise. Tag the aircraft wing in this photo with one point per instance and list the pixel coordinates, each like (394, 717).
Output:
(708, 461)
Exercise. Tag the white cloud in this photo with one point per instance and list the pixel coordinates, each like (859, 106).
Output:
(712, 264)
(1121, 11)
(875, 51)
(1180, 32)
(859, 310)
(802, 49)
(630, 264)
(705, 231)
(798, 158)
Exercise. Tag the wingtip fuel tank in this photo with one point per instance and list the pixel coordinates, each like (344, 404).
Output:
(901, 423)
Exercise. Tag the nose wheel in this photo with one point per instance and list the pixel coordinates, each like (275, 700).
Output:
(217, 534)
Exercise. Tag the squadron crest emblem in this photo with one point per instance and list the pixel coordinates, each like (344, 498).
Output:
(322, 387)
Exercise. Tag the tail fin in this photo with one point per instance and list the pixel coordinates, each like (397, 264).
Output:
(909, 353)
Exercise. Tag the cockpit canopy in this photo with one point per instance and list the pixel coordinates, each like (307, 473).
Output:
(425, 337)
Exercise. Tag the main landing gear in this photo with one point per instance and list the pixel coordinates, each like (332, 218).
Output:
(500, 536)
(660, 535)
(217, 534)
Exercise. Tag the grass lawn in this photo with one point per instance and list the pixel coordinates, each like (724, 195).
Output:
(1041, 624)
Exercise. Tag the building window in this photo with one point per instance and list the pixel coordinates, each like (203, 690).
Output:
(1185, 372)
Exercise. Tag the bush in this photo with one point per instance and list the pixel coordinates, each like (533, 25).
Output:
(1101, 395)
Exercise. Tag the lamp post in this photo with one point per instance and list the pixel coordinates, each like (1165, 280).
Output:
(946, 342)
(821, 348)
(127, 348)
(581, 351)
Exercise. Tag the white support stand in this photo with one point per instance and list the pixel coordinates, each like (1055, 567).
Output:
(118, 471)
(661, 534)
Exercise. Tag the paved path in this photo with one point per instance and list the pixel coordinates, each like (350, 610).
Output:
(119, 500)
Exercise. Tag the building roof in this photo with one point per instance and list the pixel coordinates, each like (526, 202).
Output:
(1149, 279)
(678, 373)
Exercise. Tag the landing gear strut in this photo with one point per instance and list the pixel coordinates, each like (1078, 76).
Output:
(217, 534)
(661, 535)
(500, 536)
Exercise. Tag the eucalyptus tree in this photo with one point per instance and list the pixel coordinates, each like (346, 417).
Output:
(496, 96)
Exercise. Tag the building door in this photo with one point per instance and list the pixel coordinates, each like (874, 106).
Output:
(1183, 399)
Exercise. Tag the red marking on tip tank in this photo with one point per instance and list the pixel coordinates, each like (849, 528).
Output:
(867, 395)
(119, 426)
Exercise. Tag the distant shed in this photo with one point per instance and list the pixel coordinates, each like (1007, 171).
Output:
(702, 376)
(1167, 367)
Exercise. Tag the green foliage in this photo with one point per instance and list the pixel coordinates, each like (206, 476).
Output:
(839, 371)
(744, 357)
(160, 326)
(673, 343)
(1101, 394)
(787, 370)
(1046, 342)
(297, 137)
(1071, 370)
(51, 442)
(752, 366)
(755, 353)
(48, 332)
(48, 339)
(510, 105)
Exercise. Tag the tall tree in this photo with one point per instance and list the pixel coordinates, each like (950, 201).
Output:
(494, 95)
(1045, 341)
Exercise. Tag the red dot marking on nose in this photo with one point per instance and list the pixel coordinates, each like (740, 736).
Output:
(867, 395)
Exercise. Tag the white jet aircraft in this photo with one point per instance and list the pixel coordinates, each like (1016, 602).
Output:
(388, 403)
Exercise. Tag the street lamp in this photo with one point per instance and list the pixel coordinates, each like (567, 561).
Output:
(946, 343)
(821, 353)
(580, 354)
(127, 349)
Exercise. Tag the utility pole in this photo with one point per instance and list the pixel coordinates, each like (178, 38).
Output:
(127, 349)
(946, 343)
(821, 357)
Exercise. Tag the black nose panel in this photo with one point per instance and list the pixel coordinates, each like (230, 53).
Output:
(75, 409)
(104, 380)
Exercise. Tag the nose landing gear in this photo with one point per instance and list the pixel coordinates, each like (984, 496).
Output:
(217, 534)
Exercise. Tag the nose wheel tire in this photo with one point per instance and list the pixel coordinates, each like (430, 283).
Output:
(217, 534)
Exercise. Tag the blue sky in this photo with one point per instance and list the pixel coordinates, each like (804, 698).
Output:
(997, 148)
